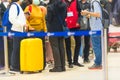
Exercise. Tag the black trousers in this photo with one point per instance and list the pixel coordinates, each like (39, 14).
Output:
(15, 56)
(86, 47)
(76, 50)
(10, 47)
(57, 44)
(1, 52)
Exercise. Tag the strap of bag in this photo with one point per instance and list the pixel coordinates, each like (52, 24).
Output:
(17, 8)
(30, 8)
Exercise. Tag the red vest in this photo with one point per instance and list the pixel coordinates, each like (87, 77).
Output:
(72, 15)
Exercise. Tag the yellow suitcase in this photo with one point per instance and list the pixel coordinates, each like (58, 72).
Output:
(31, 55)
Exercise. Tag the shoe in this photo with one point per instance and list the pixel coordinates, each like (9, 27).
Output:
(63, 69)
(78, 64)
(94, 66)
(86, 61)
(56, 69)
(1, 68)
(14, 69)
(70, 66)
(17, 70)
(50, 64)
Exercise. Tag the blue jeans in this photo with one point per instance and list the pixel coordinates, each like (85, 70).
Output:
(81, 47)
(96, 44)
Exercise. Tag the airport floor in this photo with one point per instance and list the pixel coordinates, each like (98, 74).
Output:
(76, 73)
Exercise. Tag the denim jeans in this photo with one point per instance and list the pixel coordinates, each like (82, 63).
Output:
(96, 44)
(81, 47)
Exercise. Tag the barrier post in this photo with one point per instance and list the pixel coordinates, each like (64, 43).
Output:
(105, 53)
(6, 52)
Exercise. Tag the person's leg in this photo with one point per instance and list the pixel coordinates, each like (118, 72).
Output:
(68, 51)
(1, 52)
(97, 50)
(76, 51)
(10, 48)
(82, 47)
(56, 54)
(62, 52)
(96, 43)
(15, 56)
(86, 48)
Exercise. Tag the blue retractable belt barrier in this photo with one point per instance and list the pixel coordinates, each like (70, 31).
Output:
(76, 33)
(1, 29)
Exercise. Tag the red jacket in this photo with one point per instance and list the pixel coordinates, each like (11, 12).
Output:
(72, 15)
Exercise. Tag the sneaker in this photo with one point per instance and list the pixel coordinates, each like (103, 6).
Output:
(86, 61)
(13, 69)
(78, 64)
(70, 65)
(94, 66)
(50, 65)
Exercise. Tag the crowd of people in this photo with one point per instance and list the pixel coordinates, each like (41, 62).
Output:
(53, 16)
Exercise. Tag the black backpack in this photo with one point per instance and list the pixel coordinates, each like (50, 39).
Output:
(105, 15)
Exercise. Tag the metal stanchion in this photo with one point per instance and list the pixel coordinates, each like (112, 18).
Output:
(104, 53)
(6, 72)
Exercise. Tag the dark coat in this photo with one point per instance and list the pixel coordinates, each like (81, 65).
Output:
(56, 9)
(3, 8)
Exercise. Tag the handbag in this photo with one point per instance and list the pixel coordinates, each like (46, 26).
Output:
(83, 23)
(49, 53)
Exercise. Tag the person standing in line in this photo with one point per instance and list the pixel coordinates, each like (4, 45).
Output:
(85, 6)
(36, 22)
(56, 12)
(116, 13)
(3, 6)
(95, 15)
(24, 4)
(18, 25)
(73, 10)
(108, 6)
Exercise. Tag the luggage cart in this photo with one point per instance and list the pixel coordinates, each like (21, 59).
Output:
(113, 41)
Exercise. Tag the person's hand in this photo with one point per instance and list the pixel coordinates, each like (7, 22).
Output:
(88, 16)
(84, 12)
(25, 27)
(77, 25)
(31, 29)
(27, 15)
